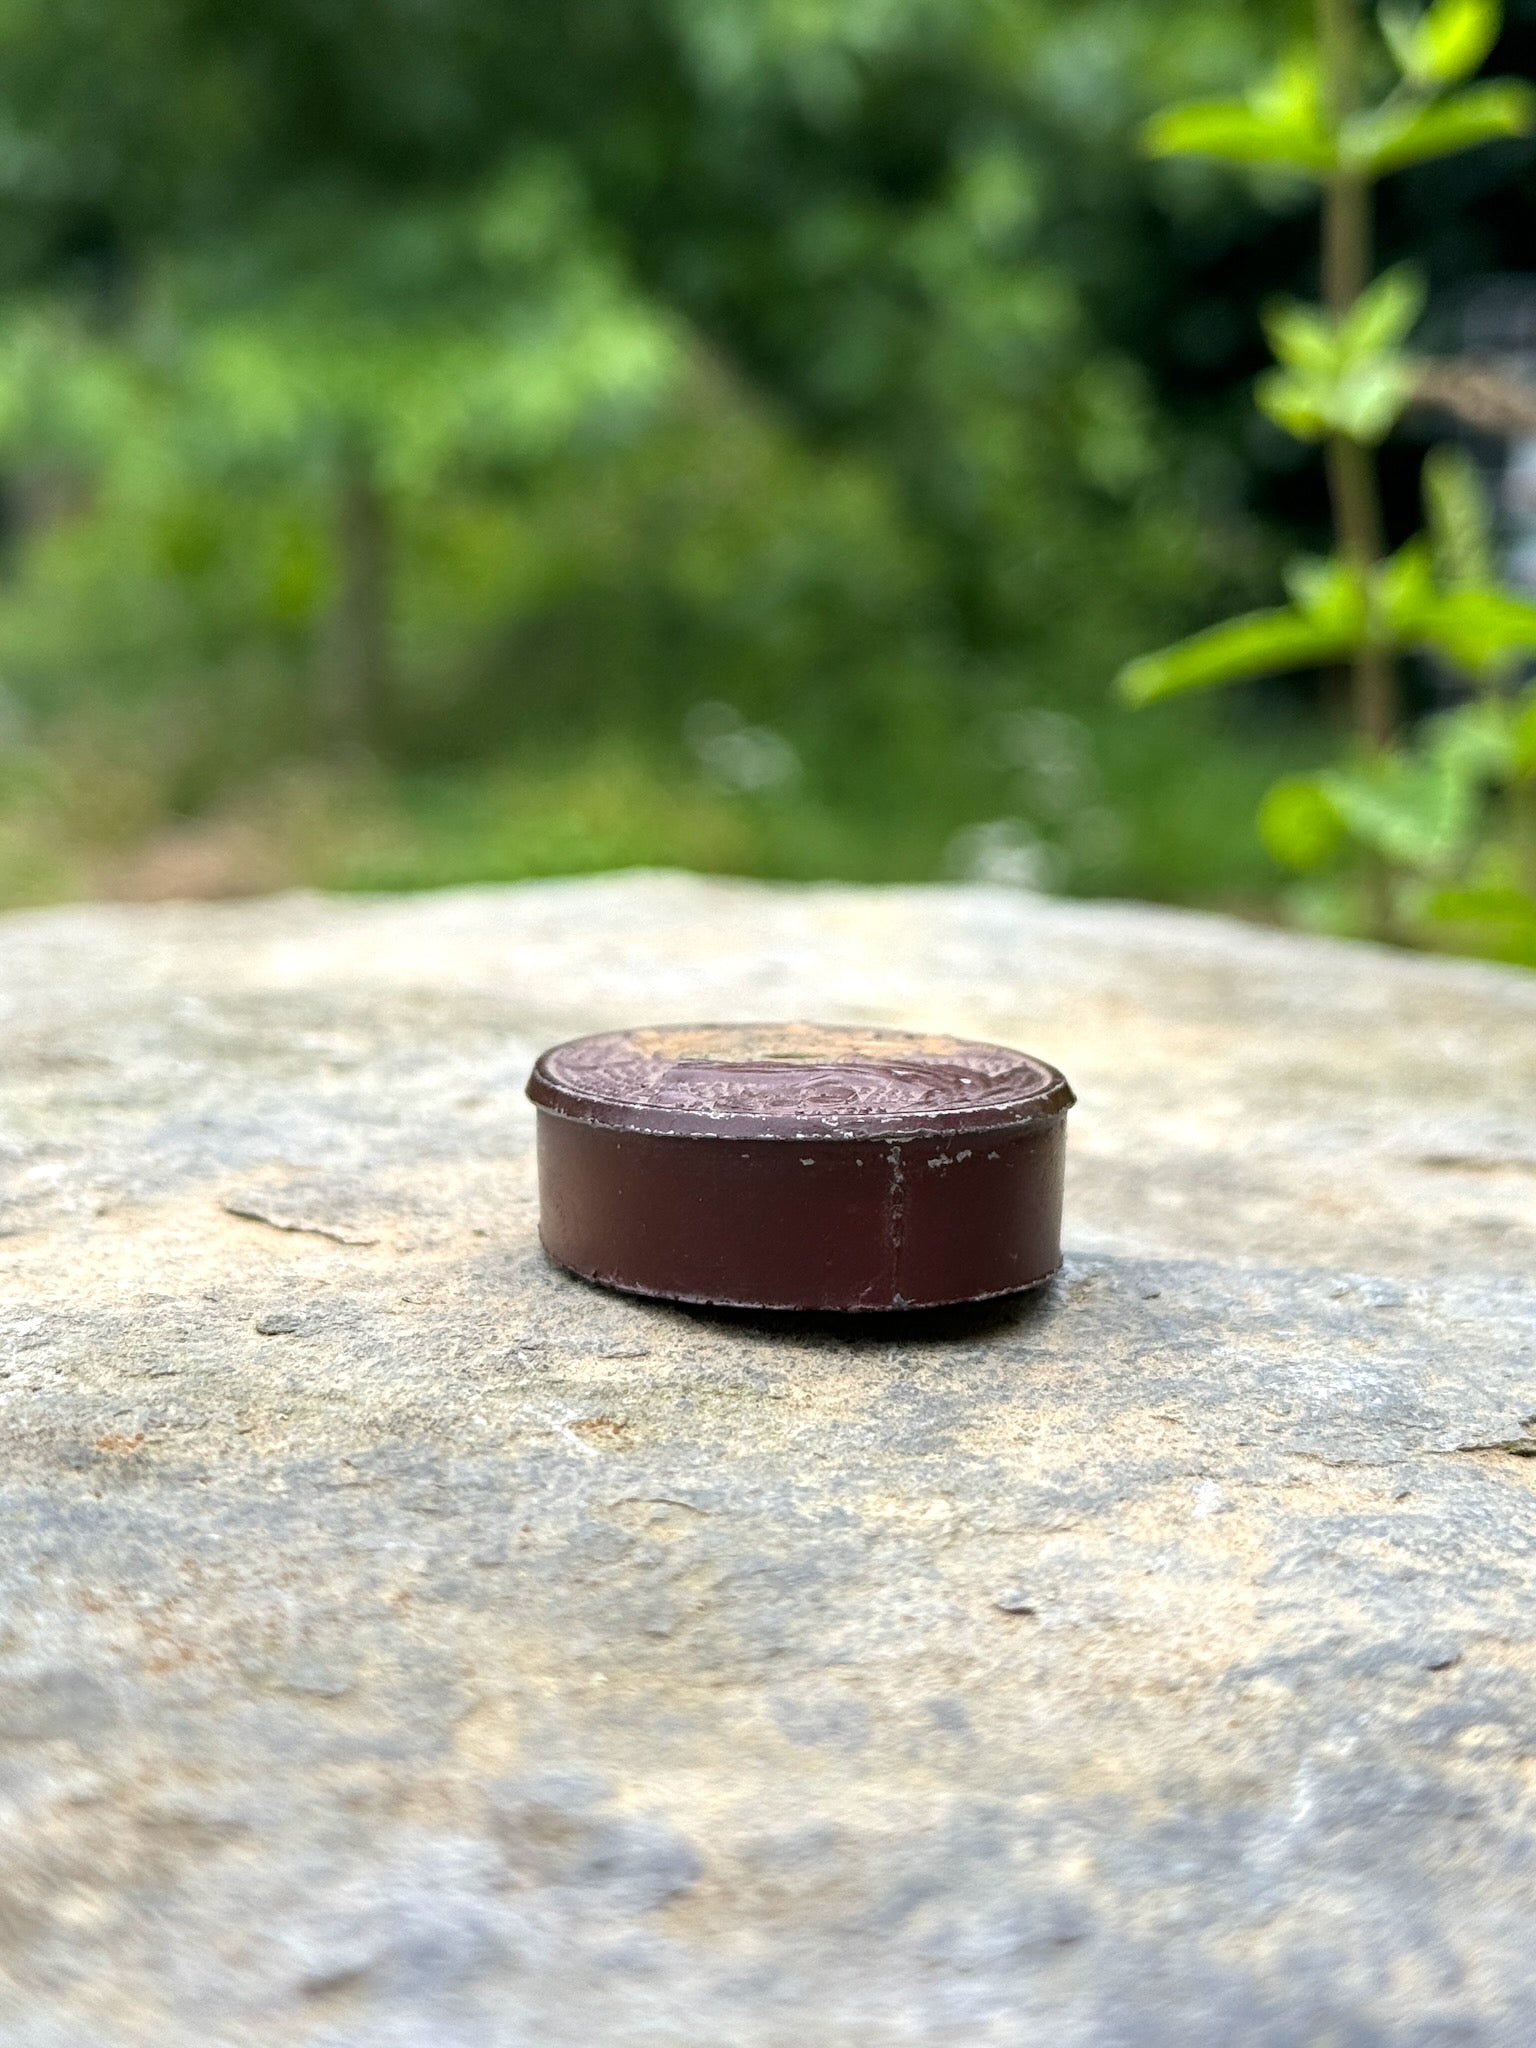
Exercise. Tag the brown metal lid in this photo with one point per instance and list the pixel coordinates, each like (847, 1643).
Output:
(795, 1081)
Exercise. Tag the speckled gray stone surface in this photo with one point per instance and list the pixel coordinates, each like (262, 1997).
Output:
(405, 1646)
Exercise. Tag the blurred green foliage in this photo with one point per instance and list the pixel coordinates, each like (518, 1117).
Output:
(1428, 832)
(498, 438)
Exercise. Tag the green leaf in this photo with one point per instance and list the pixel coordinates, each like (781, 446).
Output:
(1500, 923)
(1300, 406)
(1392, 137)
(1399, 31)
(1299, 824)
(1329, 593)
(1383, 316)
(1344, 377)
(1480, 631)
(1258, 644)
(1364, 403)
(1456, 507)
(1478, 628)
(1423, 807)
(1446, 43)
(1235, 134)
(1419, 813)
(1380, 321)
(1302, 337)
(1280, 124)
(1404, 594)
(1475, 741)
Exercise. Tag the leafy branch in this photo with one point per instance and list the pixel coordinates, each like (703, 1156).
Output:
(1300, 117)
(1342, 379)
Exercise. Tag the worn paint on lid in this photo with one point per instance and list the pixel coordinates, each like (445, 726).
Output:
(788, 1080)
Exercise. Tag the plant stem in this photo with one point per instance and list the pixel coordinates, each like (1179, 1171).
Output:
(1353, 486)
(1346, 207)
(1357, 520)
(1352, 481)
(1346, 240)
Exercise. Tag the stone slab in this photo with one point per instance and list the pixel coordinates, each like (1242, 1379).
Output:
(403, 1645)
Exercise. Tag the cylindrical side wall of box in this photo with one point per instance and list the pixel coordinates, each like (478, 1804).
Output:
(876, 1223)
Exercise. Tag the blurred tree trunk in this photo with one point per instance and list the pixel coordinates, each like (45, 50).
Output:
(355, 678)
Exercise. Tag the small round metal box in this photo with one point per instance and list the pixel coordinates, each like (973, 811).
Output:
(800, 1166)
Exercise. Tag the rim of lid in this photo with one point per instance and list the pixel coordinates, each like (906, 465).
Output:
(795, 1081)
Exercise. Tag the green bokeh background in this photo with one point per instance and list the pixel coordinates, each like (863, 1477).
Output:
(448, 440)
